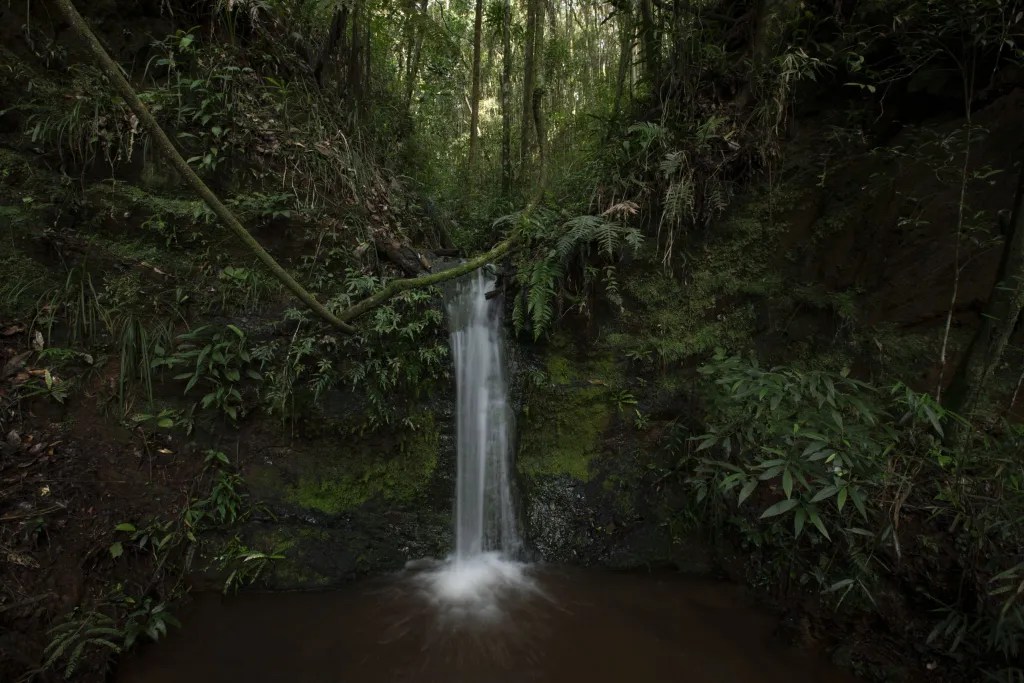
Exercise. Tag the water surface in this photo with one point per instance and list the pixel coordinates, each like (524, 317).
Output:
(563, 625)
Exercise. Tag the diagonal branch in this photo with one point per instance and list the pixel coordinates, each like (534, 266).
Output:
(340, 321)
(398, 286)
(113, 72)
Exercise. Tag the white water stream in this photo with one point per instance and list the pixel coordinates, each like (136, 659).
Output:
(486, 540)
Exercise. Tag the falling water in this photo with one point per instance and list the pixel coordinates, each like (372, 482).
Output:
(483, 572)
(484, 517)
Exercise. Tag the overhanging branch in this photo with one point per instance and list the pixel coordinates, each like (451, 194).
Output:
(164, 144)
(340, 321)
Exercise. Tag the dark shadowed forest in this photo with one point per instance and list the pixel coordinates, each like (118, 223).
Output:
(759, 265)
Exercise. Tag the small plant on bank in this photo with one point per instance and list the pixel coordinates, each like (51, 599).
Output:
(80, 635)
(219, 359)
(245, 564)
(147, 619)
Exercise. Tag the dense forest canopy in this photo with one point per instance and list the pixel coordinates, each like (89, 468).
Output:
(762, 262)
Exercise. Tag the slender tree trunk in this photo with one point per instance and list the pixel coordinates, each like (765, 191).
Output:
(410, 85)
(625, 57)
(474, 117)
(336, 31)
(528, 80)
(985, 352)
(354, 70)
(538, 121)
(506, 100)
(649, 39)
(367, 54)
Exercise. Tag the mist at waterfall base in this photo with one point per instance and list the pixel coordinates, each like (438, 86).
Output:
(483, 570)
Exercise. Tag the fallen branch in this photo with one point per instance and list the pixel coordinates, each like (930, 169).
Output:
(398, 286)
(340, 321)
(113, 72)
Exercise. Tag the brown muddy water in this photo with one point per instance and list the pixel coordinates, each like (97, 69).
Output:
(553, 625)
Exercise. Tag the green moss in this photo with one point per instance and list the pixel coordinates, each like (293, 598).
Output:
(559, 370)
(562, 429)
(121, 194)
(352, 478)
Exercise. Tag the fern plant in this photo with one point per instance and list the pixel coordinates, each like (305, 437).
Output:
(542, 275)
(82, 633)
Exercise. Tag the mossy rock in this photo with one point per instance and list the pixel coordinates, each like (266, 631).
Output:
(566, 413)
(356, 476)
(338, 477)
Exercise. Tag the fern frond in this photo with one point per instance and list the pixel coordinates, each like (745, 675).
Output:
(608, 235)
(672, 163)
(679, 202)
(541, 296)
(580, 230)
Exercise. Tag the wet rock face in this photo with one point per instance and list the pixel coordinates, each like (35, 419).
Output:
(342, 507)
(584, 485)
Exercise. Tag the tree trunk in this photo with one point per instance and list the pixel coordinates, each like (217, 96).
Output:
(538, 121)
(982, 358)
(474, 117)
(414, 63)
(625, 56)
(354, 67)
(649, 39)
(336, 31)
(367, 53)
(528, 79)
(506, 100)
(768, 31)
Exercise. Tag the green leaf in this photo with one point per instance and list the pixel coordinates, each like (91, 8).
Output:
(782, 507)
(125, 526)
(841, 499)
(813, 448)
(933, 419)
(858, 501)
(787, 483)
(165, 423)
(747, 489)
(798, 522)
(241, 335)
(826, 492)
(816, 521)
(116, 550)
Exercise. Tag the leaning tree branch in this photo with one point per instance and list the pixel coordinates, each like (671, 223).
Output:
(339, 321)
(113, 72)
(397, 286)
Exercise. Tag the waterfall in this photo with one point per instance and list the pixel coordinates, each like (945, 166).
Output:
(483, 571)
(484, 514)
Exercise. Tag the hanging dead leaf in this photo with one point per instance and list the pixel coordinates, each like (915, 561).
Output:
(12, 329)
(37, 341)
